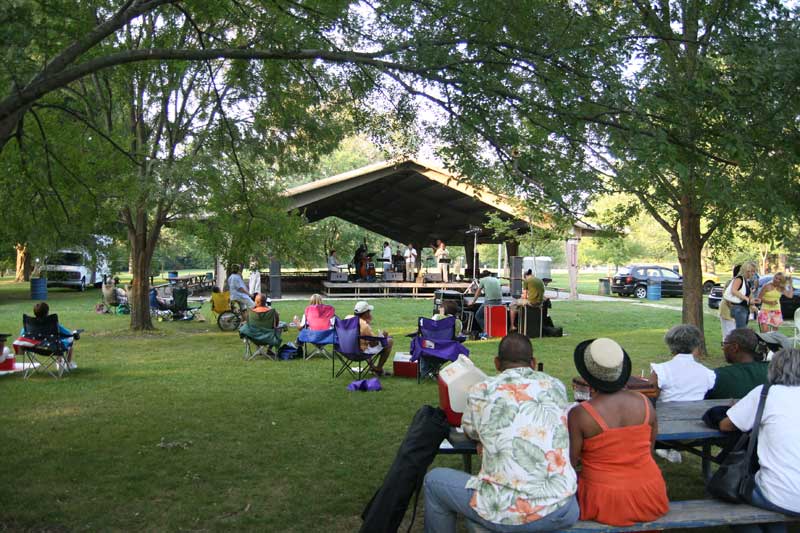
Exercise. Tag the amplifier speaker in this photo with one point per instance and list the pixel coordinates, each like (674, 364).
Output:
(433, 277)
(393, 276)
(339, 277)
(515, 273)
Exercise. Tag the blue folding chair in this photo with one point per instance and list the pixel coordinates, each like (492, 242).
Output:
(435, 344)
(347, 349)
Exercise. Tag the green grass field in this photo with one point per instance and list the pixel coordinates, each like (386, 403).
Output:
(172, 430)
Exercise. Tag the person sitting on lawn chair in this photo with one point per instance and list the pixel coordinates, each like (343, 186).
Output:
(157, 302)
(262, 328)
(68, 337)
(363, 311)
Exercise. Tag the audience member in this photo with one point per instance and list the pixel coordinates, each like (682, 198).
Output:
(446, 309)
(682, 378)
(429, 365)
(519, 419)
(490, 287)
(777, 482)
(310, 314)
(67, 337)
(746, 368)
(612, 435)
(363, 311)
(770, 316)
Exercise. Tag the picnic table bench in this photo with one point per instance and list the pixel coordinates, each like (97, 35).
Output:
(688, 514)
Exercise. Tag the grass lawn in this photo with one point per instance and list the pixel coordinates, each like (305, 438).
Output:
(172, 430)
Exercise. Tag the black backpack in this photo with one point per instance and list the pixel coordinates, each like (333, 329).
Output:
(388, 505)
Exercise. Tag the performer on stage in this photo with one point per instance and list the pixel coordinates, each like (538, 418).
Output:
(411, 262)
(442, 259)
(387, 257)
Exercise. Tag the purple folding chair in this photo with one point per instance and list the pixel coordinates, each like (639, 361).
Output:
(435, 344)
(347, 349)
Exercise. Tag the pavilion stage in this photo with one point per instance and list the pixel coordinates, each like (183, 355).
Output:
(388, 289)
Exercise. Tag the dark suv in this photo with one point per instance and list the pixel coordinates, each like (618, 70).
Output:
(632, 280)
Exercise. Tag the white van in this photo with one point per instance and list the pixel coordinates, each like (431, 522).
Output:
(70, 268)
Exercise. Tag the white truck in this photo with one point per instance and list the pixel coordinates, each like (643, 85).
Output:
(72, 268)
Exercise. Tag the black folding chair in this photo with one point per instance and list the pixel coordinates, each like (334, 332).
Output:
(46, 352)
(180, 305)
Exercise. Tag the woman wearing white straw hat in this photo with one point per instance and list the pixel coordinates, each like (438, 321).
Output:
(612, 436)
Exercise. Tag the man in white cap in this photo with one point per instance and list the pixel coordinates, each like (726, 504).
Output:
(363, 311)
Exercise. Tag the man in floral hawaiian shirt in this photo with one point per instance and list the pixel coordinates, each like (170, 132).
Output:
(526, 482)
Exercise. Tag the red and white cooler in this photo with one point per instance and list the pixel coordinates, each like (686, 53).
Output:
(403, 366)
(455, 380)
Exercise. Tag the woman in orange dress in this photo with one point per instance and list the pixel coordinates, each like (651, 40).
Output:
(612, 438)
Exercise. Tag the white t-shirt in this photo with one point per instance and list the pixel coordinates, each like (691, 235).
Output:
(778, 442)
(387, 254)
(682, 379)
(235, 282)
(410, 255)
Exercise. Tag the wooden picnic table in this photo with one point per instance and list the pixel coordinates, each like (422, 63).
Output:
(680, 427)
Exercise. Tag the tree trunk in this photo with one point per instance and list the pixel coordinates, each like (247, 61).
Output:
(143, 244)
(24, 263)
(691, 265)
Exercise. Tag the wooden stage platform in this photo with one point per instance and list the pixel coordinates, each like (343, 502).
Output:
(388, 289)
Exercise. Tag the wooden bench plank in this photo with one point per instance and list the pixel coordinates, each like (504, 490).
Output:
(694, 514)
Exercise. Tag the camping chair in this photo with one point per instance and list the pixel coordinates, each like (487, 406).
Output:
(180, 305)
(261, 331)
(347, 349)
(157, 309)
(42, 346)
(318, 331)
(110, 299)
(220, 302)
(434, 344)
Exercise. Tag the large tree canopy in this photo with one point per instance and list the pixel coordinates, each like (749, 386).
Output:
(690, 106)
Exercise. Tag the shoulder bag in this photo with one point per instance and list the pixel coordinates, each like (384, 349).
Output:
(728, 294)
(734, 480)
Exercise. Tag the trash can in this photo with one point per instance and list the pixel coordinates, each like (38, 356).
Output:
(172, 274)
(653, 289)
(38, 288)
(604, 287)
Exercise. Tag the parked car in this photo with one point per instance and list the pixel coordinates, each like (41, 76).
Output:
(715, 296)
(632, 280)
(788, 305)
(71, 268)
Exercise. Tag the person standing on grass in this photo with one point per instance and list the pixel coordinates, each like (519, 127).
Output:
(526, 482)
(613, 435)
(770, 316)
(741, 300)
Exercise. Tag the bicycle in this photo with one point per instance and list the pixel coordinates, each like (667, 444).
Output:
(230, 320)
